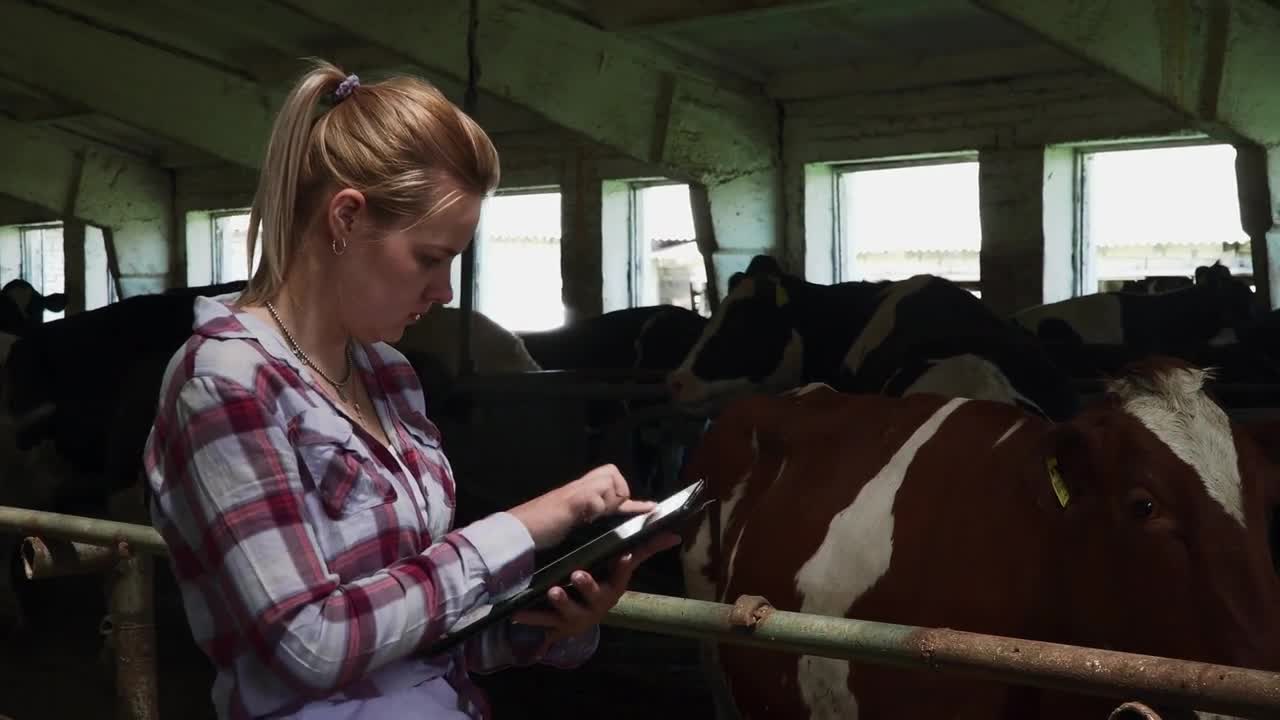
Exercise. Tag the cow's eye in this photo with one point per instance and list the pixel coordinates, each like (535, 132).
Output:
(1141, 505)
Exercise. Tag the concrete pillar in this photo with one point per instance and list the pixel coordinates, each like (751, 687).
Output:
(73, 242)
(1010, 189)
(132, 199)
(581, 260)
(1258, 187)
(747, 219)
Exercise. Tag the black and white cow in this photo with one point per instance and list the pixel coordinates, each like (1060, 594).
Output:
(1177, 323)
(776, 331)
(653, 337)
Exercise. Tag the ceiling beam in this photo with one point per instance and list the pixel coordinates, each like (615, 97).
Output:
(1214, 60)
(250, 43)
(110, 190)
(169, 95)
(642, 103)
(15, 211)
(920, 72)
(667, 15)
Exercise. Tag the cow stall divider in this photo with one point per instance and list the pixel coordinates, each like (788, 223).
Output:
(60, 544)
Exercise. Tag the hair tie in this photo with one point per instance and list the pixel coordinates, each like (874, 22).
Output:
(346, 86)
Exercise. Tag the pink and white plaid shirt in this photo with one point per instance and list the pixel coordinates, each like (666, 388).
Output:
(313, 569)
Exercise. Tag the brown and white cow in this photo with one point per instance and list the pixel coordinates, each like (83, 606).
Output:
(944, 512)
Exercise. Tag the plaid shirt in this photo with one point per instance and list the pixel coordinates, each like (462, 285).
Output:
(313, 569)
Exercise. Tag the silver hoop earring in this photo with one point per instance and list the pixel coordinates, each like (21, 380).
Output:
(334, 245)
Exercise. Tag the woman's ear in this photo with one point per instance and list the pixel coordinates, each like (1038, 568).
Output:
(344, 211)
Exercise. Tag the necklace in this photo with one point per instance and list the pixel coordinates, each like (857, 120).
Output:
(339, 386)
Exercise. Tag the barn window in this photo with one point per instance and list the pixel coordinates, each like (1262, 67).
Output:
(904, 218)
(230, 236)
(666, 267)
(518, 280)
(1151, 212)
(218, 246)
(34, 253)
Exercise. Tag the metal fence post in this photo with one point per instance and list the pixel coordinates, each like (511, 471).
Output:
(133, 627)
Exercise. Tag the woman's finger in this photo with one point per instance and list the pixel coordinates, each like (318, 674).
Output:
(625, 565)
(588, 588)
(571, 613)
(636, 506)
(620, 486)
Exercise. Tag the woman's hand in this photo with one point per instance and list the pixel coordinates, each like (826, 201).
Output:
(603, 491)
(567, 618)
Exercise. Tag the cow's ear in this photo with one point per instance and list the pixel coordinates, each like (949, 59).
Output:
(1068, 467)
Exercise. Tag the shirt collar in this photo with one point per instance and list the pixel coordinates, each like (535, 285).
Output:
(217, 317)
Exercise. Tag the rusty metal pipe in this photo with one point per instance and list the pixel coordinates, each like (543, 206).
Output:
(55, 557)
(134, 633)
(1125, 676)
(140, 538)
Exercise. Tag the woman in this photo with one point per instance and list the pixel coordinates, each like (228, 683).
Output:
(295, 476)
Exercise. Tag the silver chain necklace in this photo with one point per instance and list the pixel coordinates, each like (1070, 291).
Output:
(338, 385)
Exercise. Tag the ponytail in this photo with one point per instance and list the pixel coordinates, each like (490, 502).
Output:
(274, 214)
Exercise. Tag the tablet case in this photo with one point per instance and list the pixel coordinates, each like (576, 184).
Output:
(631, 533)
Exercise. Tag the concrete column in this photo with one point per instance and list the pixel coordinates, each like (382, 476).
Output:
(1252, 188)
(73, 234)
(747, 218)
(1272, 244)
(1010, 189)
(581, 261)
(1256, 182)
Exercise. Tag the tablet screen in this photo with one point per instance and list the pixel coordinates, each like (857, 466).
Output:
(605, 544)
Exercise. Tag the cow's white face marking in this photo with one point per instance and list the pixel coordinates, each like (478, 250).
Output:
(852, 558)
(968, 376)
(1174, 408)
(1009, 433)
(1095, 318)
(695, 390)
(880, 326)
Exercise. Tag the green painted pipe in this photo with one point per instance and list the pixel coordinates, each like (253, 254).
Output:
(1155, 680)
(1089, 671)
(140, 538)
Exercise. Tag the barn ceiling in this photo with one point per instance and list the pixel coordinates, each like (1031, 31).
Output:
(685, 84)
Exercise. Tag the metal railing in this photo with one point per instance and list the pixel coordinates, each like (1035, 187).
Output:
(65, 544)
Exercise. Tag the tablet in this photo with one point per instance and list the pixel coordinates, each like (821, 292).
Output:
(633, 532)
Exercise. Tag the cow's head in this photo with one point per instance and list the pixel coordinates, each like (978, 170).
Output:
(1233, 303)
(750, 342)
(1164, 524)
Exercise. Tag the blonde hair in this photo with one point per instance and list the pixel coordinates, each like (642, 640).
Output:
(400, 142)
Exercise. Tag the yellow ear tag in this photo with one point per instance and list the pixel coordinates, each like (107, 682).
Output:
(780, 295)
(1055, 479)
